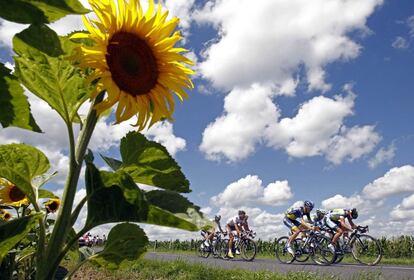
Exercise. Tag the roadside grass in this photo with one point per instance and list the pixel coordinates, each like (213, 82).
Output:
(347, 260)
(181, 270)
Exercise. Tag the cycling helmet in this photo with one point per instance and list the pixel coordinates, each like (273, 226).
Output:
(320, 213)
(354, 213)
(309, 204)
(217, 218)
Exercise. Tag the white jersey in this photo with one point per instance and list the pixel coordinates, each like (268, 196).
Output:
(236, 220)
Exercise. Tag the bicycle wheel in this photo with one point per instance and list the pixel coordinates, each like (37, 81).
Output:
(216, 249)
(321, 254)
(223, 249)
(203, 251)
(302, 254)
(248, 249)
(281, 252)
(366, 249)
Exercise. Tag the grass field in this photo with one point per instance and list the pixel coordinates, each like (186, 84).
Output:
(180, 270)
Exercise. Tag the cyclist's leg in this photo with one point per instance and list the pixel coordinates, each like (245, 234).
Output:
(290, 225)
(296, 229)
(335, 227)
(231, 238)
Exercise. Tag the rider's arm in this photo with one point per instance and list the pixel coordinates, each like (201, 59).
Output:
(352, 223)
(305, 224)
(343, 224)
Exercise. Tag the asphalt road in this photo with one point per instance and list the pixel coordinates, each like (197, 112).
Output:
(345, 271)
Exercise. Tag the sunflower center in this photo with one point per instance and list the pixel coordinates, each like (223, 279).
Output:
(16, 194)
(53, 206)
(132, 63)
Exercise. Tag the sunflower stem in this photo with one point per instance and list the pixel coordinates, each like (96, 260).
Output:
(63, 221)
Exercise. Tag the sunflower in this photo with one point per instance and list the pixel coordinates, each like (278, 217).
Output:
(52, 205)
(5, 215)
(134, 60)
(11, 195)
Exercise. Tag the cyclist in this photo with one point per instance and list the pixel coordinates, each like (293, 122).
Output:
(236, 224)
(291, 220)
(210, 233)
(335, 220)
(318, 219)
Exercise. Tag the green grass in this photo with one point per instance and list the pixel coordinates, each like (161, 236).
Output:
(348, 258)
(181, 270)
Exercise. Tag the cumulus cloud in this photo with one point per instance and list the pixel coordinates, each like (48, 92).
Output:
(352, 143)
(340, 201)
(317, 129)
(249, 191)
(396, 180)
(246, 114)
(383, 155)
(268, 43)
(404, 210)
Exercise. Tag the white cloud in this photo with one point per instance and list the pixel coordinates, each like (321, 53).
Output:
(318, 129)
(340, 201)
(268, 43)
(400, 43)
(383, 155)
(249, 191)
(396, 180)
(234, 134)
(404, 210)
(309, 132)
(352, 143)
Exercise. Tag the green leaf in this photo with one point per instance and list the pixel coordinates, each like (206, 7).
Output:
(178, 205)
(113, 163)
(125, 242)
(15, 109)
(15, 230)
(39, 11)
(46, 194)
(150, 163)
(160, 217)
(42, 67)
(170, 201)
(114, 197)
(20, 163)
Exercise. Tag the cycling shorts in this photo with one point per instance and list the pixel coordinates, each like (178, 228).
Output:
(291, 223)
(333, 225)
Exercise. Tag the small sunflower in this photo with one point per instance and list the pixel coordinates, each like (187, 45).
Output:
(52, 205)
(11, 195)
(134, 60)
(5, 215)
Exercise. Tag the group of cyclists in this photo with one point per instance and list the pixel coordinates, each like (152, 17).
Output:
(297, 219)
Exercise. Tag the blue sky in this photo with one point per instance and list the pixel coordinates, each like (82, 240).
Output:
(366, 48)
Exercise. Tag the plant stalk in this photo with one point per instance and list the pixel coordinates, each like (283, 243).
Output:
(63, 221)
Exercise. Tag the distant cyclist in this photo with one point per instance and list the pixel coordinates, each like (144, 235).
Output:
(236, 224)
(294, 220)
(336, 221)
(211, 232)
